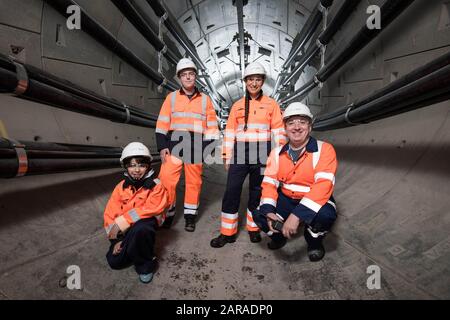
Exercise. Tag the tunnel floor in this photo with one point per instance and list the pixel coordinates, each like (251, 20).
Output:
(190, 269)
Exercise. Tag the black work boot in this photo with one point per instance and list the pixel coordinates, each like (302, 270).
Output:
(316, 254)
(276, 244)
(168, 222)
(169, 218)
(316, 251)
(254, 236)
(190, 222)
(222, 240)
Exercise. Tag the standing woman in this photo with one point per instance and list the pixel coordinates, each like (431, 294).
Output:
(253, 121)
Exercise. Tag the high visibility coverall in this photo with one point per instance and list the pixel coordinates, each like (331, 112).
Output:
(303, 188)
(246, 147)
(185, 126)
(137, 213)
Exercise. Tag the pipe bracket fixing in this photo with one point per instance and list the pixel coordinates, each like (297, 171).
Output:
(127, 110)
(346, 117)
(22, 79)
(22, 157)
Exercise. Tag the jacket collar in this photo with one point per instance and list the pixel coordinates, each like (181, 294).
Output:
(196, 91)
(311, 146)
(259, 97)
(147, 181)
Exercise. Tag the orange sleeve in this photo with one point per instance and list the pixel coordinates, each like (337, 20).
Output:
(212, 129)
(270, 184)
(113, 208)
(163, 123)
(277, 126)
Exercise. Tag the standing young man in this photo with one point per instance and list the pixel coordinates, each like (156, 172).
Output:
(186, 123)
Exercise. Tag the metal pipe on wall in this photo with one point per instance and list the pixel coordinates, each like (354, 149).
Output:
(63, 94)
(324, 38)
(102, 35)
(431, 88)
(305, 34)
(414, 75)
(44, 158)
(172, 25)
(133, 15)
(390, 10)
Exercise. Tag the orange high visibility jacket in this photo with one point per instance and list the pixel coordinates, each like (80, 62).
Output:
(127, 205)
(264, 120)
(311, 179)
(179, 113)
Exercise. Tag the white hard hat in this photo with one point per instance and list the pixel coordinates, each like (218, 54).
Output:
(185, 63)
(135, 149)
(254, 68)
(297, 109)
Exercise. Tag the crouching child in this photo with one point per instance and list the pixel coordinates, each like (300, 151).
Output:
(137, 207)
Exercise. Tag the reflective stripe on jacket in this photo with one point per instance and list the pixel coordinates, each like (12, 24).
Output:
(179, 113)
(310, 179)
(264, 121)
(126, 206)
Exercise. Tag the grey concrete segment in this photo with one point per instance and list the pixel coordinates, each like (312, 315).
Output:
(25, 15)
(58, 42)
(23, 45)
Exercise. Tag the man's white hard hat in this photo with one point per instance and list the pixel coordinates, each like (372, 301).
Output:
(135, 149)
(254, 68)
(297, 109)
(185, 63)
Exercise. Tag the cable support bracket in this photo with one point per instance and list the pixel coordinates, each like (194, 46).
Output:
(22, 157)
(22, 78)
(127, 110)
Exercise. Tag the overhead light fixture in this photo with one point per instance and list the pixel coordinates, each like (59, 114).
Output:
(223, 53)
(264, 51)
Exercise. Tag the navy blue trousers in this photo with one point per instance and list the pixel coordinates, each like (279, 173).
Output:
(322, 221)
(137, 248)
(235, 179)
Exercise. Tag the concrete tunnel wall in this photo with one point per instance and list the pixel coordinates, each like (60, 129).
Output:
(391, 188)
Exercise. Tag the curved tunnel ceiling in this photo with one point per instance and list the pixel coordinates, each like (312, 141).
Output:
(211, 26)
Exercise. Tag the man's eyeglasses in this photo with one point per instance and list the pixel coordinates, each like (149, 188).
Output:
(186, 74)
(301, 122)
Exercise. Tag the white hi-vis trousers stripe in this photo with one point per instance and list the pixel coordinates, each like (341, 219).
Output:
(231, 216)
(316, 234)
(233, 221)
(230, 226)
(250, 220)
(190, 208)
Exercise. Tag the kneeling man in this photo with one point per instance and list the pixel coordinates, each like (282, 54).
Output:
(298, 186)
